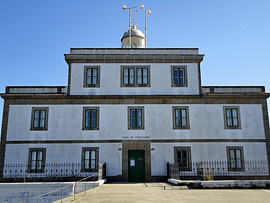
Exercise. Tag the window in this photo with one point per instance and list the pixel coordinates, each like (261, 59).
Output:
(179, 76)
(180, 118)
(135, 76)
(90, 159)
(39, 119)
(136, 118)
(90, 118)
(91, 76)
(232, 118)
(235, 158)
(37, 160)
(183, 158)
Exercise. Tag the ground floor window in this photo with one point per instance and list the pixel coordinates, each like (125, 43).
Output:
(37, 160)
(183, 158)
(89, 159)
(235, 158)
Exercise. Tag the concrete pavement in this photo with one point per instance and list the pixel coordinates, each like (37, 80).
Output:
(163, 192)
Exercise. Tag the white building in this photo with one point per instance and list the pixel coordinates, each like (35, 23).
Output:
(136, 109)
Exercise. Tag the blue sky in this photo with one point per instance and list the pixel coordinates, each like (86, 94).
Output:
(35, 35)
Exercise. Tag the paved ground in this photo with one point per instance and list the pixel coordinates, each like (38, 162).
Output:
(154, 192)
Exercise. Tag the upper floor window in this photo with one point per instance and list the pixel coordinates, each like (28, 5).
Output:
(39, 119)
(179, 76)
(180, 118)
(232, 117)
(183, 158)
(135, 76)
(91, 76)
(37, 160)
(136, 118)
(89, 159)
(90, 118)
(235, 158)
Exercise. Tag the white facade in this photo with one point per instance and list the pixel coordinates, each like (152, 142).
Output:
(206, 137)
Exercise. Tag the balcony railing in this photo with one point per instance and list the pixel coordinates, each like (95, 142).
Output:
(219, 170)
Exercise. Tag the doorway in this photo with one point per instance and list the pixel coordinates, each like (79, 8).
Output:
(136, 166)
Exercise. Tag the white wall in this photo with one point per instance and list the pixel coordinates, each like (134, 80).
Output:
(65, 123)
(110, 82)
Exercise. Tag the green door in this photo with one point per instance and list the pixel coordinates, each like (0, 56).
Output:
(136, 165)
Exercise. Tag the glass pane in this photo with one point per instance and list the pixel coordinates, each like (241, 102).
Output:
(235, 122)
(181, 72)
(234, 113)
(139, 72)
(131, 72)
(139, 113)
(175, 73)
(93, 154)
(42, 114)
(232, 154)
(88, 73)
(87, 123)
(93, 164)
(139, 80)
(183, 112)
(125, 80)
(145, 72)
(182, 81)
(87, 114)
(88, 80)
(139, 122)
(177, 113)
(132, 122)
(229, 121)
(86, 155)
(39, 164)
(238, 154)
(36, 114)
(39, 156)
(233, 164)
(228, 112)
(131, 80)
(132, 113)
(145, 81)
(34, 155)
(86, 164)
(33, 165)
(94, 82)
(239, 164)
(176, 81)
(42, 123)
(95, 72)
(184, 122)
(125, 72)
(177, 122)
(94, 123)
(36, 123)
(94, 113)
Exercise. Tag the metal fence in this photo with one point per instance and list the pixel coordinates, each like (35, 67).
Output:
(50, 172)
(219, 170)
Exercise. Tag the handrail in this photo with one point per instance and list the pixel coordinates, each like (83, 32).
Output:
(73, 184)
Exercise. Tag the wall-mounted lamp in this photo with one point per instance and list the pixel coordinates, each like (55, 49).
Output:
(119, 149)
(153, 149)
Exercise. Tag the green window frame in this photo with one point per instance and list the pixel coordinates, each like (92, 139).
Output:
(36, 160)
(90, 156)
(235, 158)
(135, 118)
(232, 117)
(183, 158)
(181, 118)
(142, 76)
(128, 76)
(90, 118)
(91, 76)
(89, 162)
(39, 118)
(179, 76)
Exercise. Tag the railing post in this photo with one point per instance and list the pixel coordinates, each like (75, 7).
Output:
(24, 174)
(74, 192)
